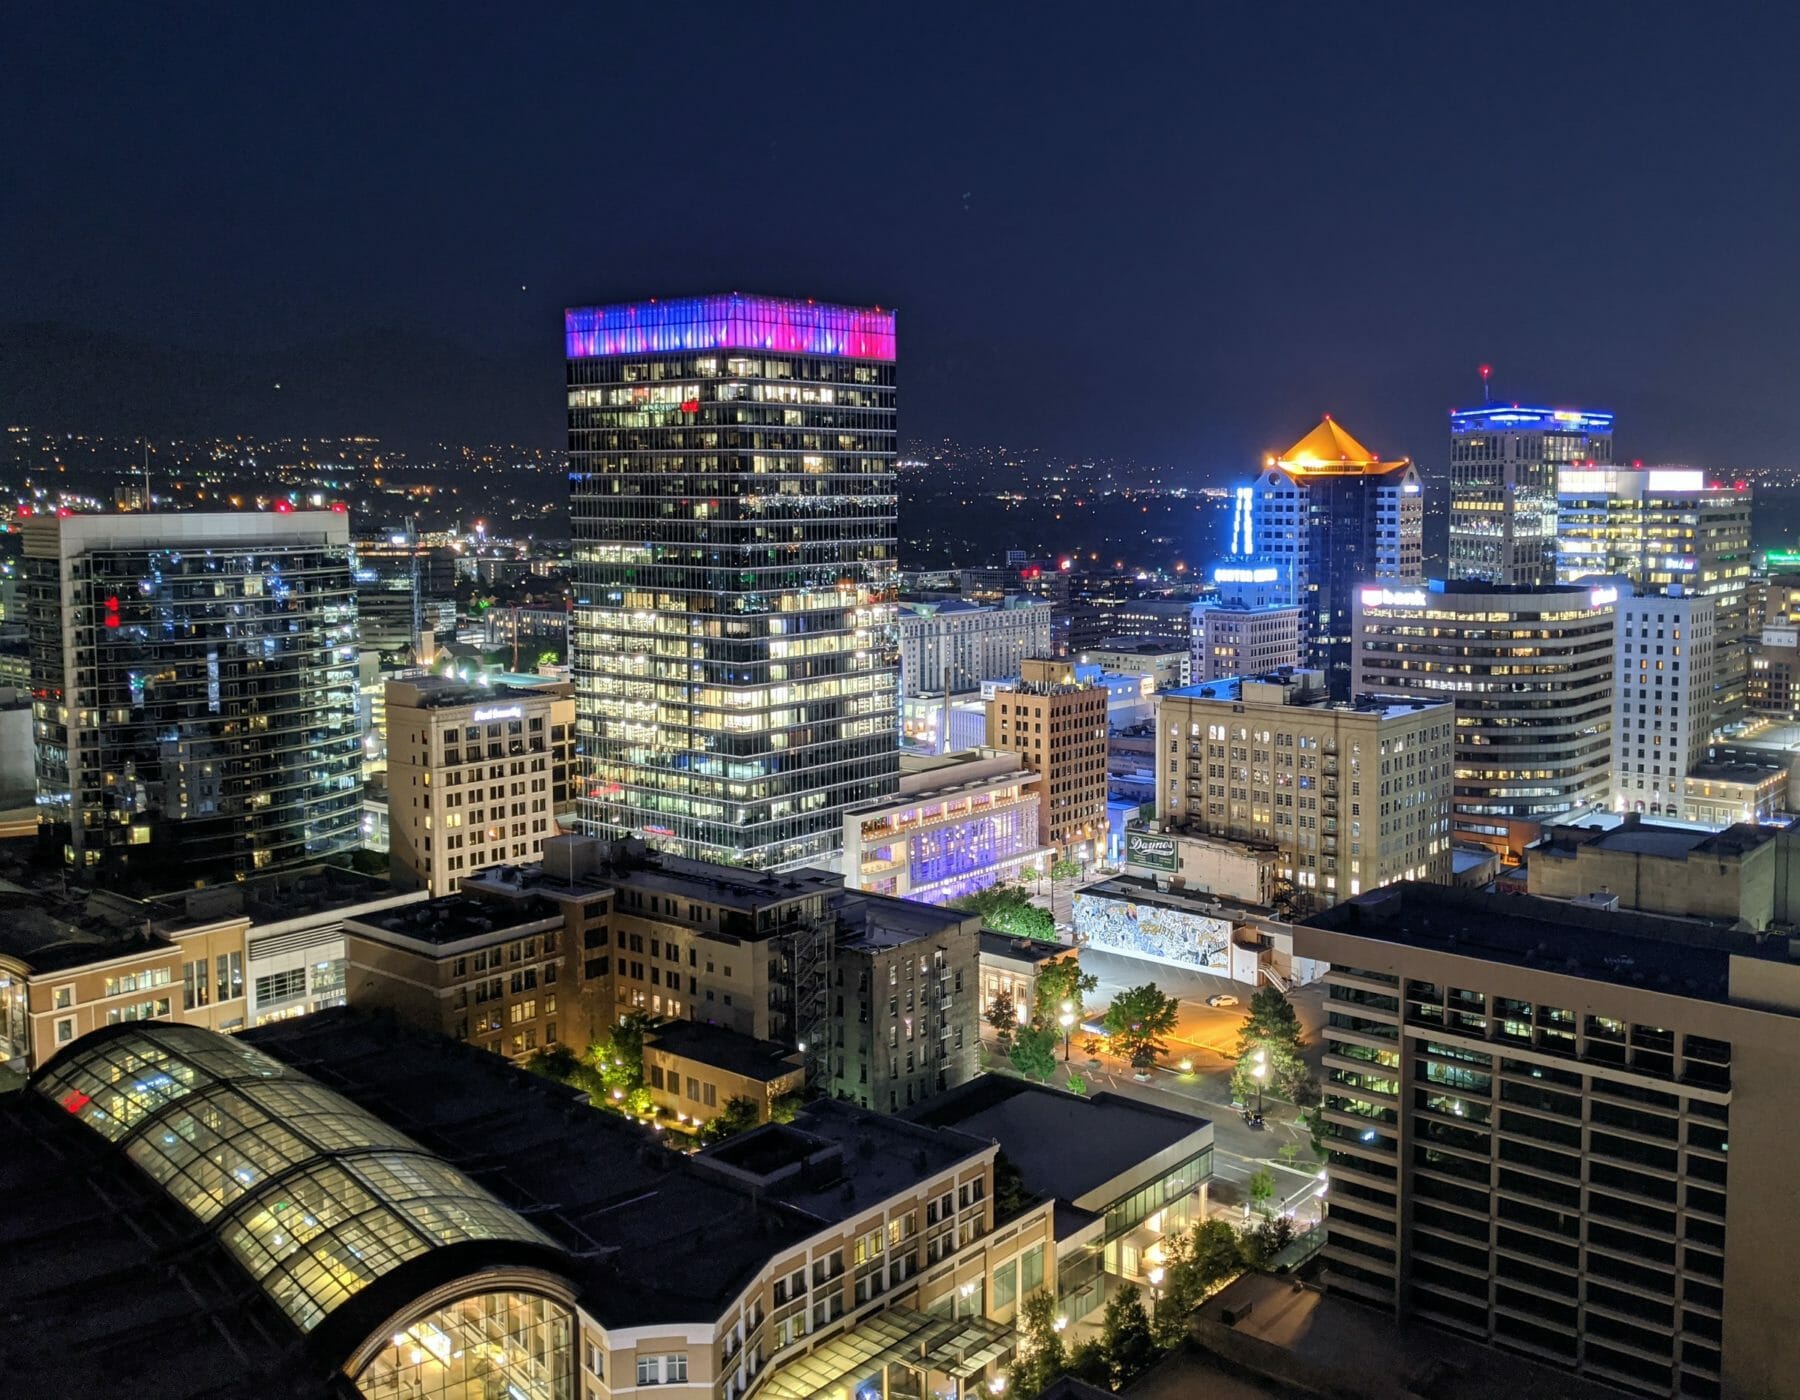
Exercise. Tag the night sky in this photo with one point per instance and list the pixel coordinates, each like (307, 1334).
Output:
(1176, 233)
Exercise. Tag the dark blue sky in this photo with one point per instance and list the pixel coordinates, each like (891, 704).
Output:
(1178, 232)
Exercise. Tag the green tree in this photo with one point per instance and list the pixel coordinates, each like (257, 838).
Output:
(1041, 1357)
(1270, 1020)
(1064, 869)
(1008, 909)
(1060, 980)
(549, 658)
(1284, 1072)
(1090, 1363)
(1138, 1020)
(1033, 1052)
(1263, 1243)
(784, 1108)
(1262, 1189)
(562, 1064)
(1003, 1016)
(1196, 1263)
(622, 1061)
(1272, 1036)
(739, 1116)
(1075, 1083)
(1125, 1333)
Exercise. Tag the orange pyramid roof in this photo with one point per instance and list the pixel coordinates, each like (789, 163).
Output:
(1328, 449)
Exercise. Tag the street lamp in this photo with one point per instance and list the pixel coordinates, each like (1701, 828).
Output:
(1259, 1070)
(1067, 1021)
(1156, 1277)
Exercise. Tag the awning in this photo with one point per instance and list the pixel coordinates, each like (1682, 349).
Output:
(957, 1347)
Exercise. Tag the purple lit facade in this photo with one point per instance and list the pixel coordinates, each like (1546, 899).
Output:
(732, 322)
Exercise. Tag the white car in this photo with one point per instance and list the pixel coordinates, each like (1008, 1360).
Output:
(1222, 999)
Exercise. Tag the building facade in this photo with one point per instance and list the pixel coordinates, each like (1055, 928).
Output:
(1663, 699)
(477, 775)
(1664, 526)
(957, 825)
(1169, 665)
(1230, 640)
(1528, 1108)
(1059, 726)
(733, 508)
(955, 645)
(1329, 515)
(1351, 795)
(1773, 683)
(1531, 675)
(1504, 465)
(194, 682)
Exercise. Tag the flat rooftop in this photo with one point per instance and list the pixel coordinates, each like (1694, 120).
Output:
(1669, 841)
(1066, 1146)
(1025, 950)
(867, 920)
(455, 918)
(627, 863)
(724, 1049)
(1678, 956)
(271, 898)
(1140, 646)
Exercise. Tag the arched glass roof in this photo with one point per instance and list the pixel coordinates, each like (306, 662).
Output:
(315, 1197)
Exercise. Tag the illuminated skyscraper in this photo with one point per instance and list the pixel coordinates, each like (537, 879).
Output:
(194, 691)
(1327, 515)
(1503, 465)
(733, 504)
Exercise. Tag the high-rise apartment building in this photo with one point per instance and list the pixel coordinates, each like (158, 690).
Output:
(1504, 460)
(1659, 526)
(955, 644)
(194, 683)
(1663, 699)
(477, 775)
(1231, 640)
(1352, 795)
(1531, 673)
(733, 509)
(1528, 1108)
(1059, 725)
(1773, 686)
(1330, 515)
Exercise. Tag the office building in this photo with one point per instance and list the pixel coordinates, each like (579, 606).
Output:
(1233, 640)
(1352, 795)
(1663, 526)
(1058, 724)
(1531, 673)
(478, 775)
(906, 997)
(1662, 699)
(1738, 877)
(1740, 783)
(1528, 1106)
(733, 499)
(694, 1070)
(312, 1246)
(1167, 664)
(958, 824)
(1773, 684)
(194, 682)
(1330, 515)
(1504, 465)
(954, 645)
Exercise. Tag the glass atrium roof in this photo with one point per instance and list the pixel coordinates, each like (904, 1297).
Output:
(315, 1197)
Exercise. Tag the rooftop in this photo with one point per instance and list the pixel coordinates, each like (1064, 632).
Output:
(724, 1049)
(456, 918)
(272, 898)
(448, 692)
(1669, 841)
(1141, 646)
(1679, 957)
(1026, 950)
(1300, 687)
(734, 321)
(1330, 451)
(873, 921)
(1066, 1146)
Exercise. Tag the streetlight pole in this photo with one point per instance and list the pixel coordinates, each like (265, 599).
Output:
(1156, 1277)
(1260, 1068)
(1067, 1021)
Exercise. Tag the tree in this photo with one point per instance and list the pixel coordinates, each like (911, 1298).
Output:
(1060, 980)
(1197, 1263)
(1125, 1333)
(562, 1064)
(740, 1116)
(1033, 1051)
(1264, 1243)
(1271, 1020)
(1075, 1083)
(1064, 869)
(1284, 1072)
(1041, 1357)
(1089, 1362)
(1262, 1189)
(1008, 909)
(784, 1108)
(1003, 1016)
(1011, 1196)
(622, 1061)
(1138, 1020)
(1272, 1029)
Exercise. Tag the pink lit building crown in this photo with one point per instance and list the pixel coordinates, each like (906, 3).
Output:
(731, 322)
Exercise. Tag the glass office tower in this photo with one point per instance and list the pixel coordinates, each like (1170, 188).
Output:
(734, 508)
(194, 692)
(1504, 461)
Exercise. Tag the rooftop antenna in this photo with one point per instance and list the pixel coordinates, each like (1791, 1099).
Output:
(147, 505)
(1486, 371)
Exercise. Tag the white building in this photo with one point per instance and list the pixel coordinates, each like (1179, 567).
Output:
(1167, 664)
(955, 644)
(1663, 699)
(476, 775)
(1234, 640)
(958, 824)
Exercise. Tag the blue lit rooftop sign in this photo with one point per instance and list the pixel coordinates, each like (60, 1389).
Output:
(1502, 417)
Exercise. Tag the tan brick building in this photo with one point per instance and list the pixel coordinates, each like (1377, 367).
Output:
(1059, 725)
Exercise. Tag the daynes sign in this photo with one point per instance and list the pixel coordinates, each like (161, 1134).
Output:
(1143, 848)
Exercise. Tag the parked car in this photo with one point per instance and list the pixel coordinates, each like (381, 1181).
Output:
(1222, 999)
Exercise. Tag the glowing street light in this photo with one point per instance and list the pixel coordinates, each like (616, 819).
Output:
(1067, 1021)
